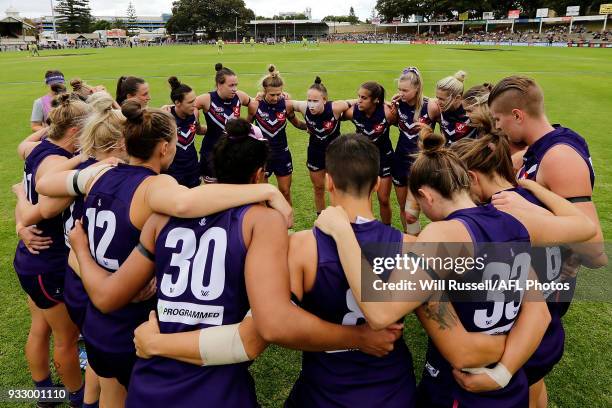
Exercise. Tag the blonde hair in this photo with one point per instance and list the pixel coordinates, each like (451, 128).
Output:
(103, 130)
(272, 79)
(413, 75)
(67, 112)
(80, 89)
(453, 85)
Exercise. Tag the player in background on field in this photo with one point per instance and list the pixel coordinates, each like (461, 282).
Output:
(249, 258)
(557, 158)
(413, 111)
(454, 122)
(322, 119)
(218, 106)
(185, 167)
(130, 87)
(42, 106)
(373, 117)
(271, 113)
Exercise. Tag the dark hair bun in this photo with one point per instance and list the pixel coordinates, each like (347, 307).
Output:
(218, 66)
(61, 99)
(431, 142)
(76, 83)
(132, 110)
(174, 82)
(317, 80)
(271, 68)
(237, 128)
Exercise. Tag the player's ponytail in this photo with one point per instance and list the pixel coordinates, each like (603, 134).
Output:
(103, 130)
(272, 79)
(179, 89)
(437, 167)
(413, 76)
(145, 128)
(489, 155)
(67, 112)
(80, 89)
(127, 86)
(452, 85)
(318, 85)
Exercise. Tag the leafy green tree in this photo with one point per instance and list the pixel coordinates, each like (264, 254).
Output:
(73, 16)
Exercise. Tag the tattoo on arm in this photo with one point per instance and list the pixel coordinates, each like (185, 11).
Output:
(442, 313)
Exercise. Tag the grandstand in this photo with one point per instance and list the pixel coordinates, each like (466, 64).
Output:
(292, 30)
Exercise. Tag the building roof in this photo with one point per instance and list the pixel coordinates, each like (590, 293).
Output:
(9, 20)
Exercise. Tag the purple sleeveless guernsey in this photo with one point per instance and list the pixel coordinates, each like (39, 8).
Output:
(438, 387)
(348, 378)
(408, 140)
(455, 125)
(546, 262)
(199, 265)
(323, 128)
(112, 237)
(220, 111)
(376, 128)
(75, 296)
(185, 168)
(55, 258)
(531, 162)
(272, 120)
(536, 152)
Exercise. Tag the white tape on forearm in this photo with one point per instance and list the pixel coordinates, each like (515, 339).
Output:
(499, 373)
(221, 345)
(88, 174)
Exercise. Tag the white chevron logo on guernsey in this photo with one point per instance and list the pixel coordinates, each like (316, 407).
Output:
(202, 222)
(532, 169)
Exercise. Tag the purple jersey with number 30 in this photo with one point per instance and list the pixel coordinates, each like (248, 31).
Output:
(350, 378)
(112, 237)
(485, 224)
(199, 265)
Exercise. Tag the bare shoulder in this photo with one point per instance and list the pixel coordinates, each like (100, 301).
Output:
(444, 231)
(302, 242)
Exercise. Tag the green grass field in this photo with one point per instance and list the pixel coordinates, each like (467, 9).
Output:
(578, 94)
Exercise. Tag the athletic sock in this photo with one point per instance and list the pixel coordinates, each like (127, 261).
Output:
(76, 397)
(92, 405)
(46, 383)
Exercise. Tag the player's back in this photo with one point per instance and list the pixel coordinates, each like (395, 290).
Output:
(350, 378)
(199, 267)
(504, 244)
(112, 237)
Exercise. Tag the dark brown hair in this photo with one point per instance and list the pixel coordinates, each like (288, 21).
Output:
(376, 91)
(222, 72)
(145, 128)
(179, 89)
(437, 167)
(489, 155)
(237, 156)
(127, 85)
(353, 162)
(317, 85)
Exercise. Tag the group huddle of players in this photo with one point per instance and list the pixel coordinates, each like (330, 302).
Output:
(177, 270)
